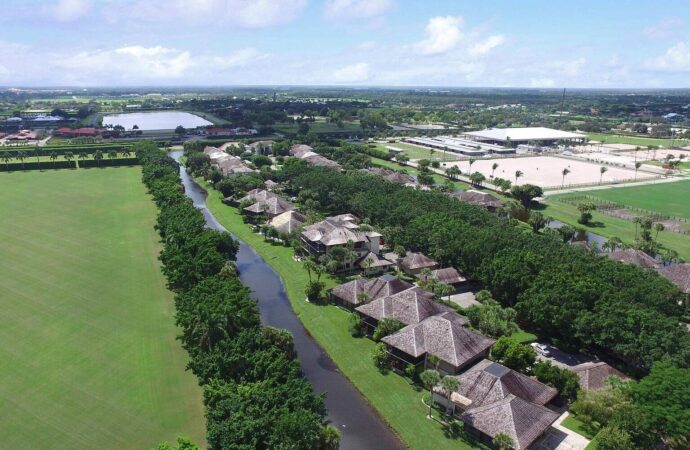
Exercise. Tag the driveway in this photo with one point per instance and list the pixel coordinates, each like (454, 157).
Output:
(563, 359)
(559, 437)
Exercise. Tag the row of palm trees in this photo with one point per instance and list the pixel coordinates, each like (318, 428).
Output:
(68, 156)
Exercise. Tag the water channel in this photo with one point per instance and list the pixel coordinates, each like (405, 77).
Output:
(360, 426)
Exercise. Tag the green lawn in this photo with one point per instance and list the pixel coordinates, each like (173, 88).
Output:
(88, 358)
(608, 226)
(633, 140)
(415, 152)
(672, 199)
(391, 395)
(572, 423)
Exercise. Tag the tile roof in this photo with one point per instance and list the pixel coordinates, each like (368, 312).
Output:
(391, 175)
(443, 335)
(273, 206)
(413, 261)
(376, 288)
(593, 375)
(634, 257)
(373, 260)
(336, 230)
(409, 306)
(448, 276)
(258, 195)
(478, 198)
(678, 274)
(288, 221)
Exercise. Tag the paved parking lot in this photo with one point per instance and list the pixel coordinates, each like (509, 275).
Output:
(563, 359)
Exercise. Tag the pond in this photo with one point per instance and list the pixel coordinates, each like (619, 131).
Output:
(156, 120)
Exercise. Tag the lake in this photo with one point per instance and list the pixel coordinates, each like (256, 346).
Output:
(157, 120)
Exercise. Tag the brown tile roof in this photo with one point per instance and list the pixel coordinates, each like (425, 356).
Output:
(487, 382)
(322, 161)
(376, 288)
(288, 221)
(448, 276)
(593, 374)
(257, 195)
(478, 198)
(678, 274)
(273, 206)
(373, 260)
(443, 335)
(409, 306)
(522, 420)
(414, 261)
(270, 184)
(299, 150)
(634, 257)
(391, 175)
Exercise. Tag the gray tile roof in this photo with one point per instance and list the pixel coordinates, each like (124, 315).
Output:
(448, 276)
(288, 221)
(409, 306)
(272, 206)
(336, 230)
(376, 288)
(478, 198)
(258, 195)
(443, 335)
(391, 175)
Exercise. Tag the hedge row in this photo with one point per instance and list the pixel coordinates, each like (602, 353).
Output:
(106, 162)
(33, 165)
(254, 392)
(62, 149)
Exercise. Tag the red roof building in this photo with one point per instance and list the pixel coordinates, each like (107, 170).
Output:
(76, 132)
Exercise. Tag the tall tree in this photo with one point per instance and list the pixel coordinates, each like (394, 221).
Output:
(564, 172)
(430, 378)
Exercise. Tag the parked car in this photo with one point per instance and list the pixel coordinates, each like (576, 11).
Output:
(541, 349)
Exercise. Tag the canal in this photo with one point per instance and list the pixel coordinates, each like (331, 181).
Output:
(360, 426)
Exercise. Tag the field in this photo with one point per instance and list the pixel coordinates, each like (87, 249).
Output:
(391, 395)
(672, 199)
(634, 140)
(546, 171)
(88, 357)
(414, 152)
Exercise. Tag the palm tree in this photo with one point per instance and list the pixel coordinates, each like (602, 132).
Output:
(658, 227)
(602, 171)
(494, 166)
(502, 441)
(82, 156)
(471, 161)
(21, 155)
(37, 154)
(637, 166)
(98, 156)
(450, 384)
(453, 172)
(53, 157)
(430, 378)
(126, 153)
(518, 174)
(564, 172)
(637, 220)
(310, 266)
(112, 154)
(6, 157)
(69, 156)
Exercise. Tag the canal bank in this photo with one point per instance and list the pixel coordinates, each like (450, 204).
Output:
(359, 424)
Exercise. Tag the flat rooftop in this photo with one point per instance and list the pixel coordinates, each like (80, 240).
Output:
(523, 134)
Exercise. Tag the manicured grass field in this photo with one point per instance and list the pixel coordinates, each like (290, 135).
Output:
(415, 152)
(572, 423)
(672, 199)
(88, 358)
(633, 140)
(390, 394)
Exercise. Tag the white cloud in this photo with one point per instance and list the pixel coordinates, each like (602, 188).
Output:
(573, 67)
(485, 46)
(239, 58)
(354, 73)
(676, 59)
(127, 63)
(355, 9)
(68, 10)
(542, 82)
(442, 35)
(665, 28)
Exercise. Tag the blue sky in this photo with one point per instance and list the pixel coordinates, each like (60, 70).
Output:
(520, 43)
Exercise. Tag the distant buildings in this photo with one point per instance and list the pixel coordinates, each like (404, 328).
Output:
(307, 153)
(76, 132)
(227, 164)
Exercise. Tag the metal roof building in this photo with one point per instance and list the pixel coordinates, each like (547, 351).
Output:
(523, 135)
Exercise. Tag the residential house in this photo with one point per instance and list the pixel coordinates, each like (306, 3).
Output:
(392, 176)
(257, 195)
(372, 264)
(493, 399)
(444, 336)
(449, 276)
(634, 257)
(340, 231)
(271, 185)
(678, 274)
(300, 150)
(413, 263)
(227, 164)
(270, 208)
(362, 290)
(593, 374)
(289, 221)
(261, 147)
(307, 153)
(479, 198)
(410, 306)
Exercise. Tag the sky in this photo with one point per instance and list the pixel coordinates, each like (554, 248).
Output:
(445, 43)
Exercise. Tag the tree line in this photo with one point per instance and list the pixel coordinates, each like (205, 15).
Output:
(253, 389)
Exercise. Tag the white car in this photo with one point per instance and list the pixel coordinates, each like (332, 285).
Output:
(541, 349)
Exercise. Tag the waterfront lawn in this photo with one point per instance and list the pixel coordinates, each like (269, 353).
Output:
(672, 199)
(89, 358)
(609, 227)
(398, 402)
